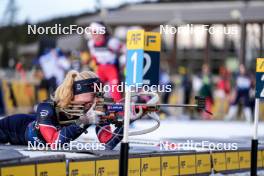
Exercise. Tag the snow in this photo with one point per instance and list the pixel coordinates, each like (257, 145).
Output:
(191, 129)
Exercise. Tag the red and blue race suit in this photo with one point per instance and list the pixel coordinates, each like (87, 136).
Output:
(43, 127)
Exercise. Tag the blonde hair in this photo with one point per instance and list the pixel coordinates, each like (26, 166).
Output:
(64, 93)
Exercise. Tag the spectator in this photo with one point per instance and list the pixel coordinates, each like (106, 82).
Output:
(206, 90)
(104, 50)
(224, 83)
(223, 89)
(165, 80)
(242, 90)
(187, 88)
(54, 65)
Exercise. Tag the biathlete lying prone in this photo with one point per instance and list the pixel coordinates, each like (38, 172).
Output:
(49, 124)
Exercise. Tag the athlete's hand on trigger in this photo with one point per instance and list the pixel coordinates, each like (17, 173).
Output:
(92, 115)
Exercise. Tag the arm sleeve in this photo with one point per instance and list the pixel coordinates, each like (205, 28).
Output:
(109, 139)
(48, 129)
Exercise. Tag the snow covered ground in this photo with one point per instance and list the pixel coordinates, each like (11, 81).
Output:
(191, 129)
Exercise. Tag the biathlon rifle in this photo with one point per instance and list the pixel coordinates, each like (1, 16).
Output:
(111, 111)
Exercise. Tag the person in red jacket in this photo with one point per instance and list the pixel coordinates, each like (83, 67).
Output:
(105, 50)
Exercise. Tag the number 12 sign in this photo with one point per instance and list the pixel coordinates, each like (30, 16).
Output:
(260, 78)
(135, 57)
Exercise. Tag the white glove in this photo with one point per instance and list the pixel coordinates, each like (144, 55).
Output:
(91, 116)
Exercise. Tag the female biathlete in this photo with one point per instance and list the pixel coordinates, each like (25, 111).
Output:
(49, 124)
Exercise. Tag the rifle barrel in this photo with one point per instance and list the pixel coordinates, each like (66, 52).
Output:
(167, 105)
(160, 105)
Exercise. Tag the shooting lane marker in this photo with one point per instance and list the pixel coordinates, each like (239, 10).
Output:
(259, 95)
(151, 58)
(134, 76)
